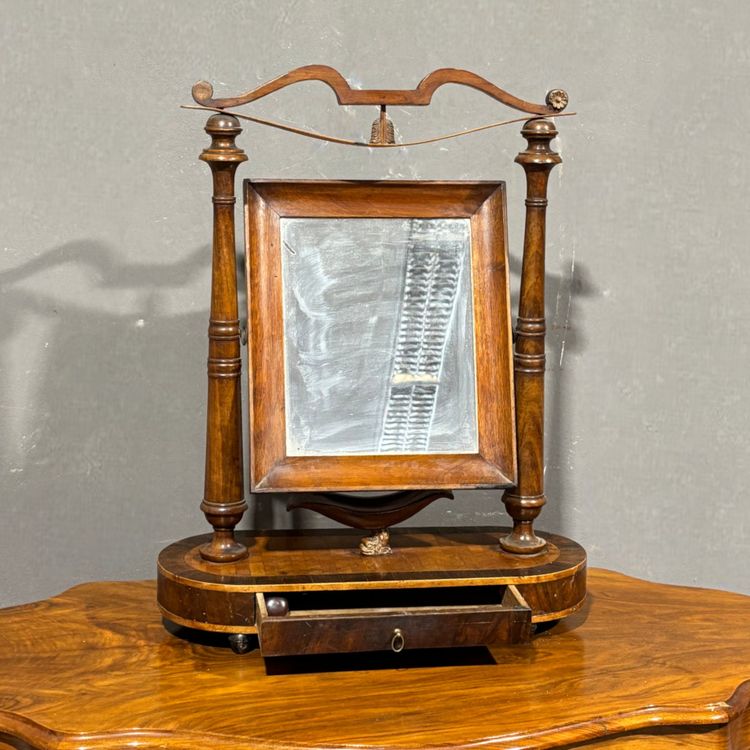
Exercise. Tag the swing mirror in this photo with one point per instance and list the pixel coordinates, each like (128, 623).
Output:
(379, 336)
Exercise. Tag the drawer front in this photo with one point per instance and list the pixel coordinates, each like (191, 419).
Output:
(341, 631)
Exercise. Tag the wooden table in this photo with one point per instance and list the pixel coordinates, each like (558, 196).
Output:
(641, 666)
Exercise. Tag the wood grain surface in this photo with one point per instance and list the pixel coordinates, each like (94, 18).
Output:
(525, 501)
(641, 666)
(223, 495)
(220, 597)
(421, 96)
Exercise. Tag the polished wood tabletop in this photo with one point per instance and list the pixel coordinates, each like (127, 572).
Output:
(642, 665)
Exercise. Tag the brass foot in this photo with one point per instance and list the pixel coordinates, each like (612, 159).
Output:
(377, 544)
(239, 643)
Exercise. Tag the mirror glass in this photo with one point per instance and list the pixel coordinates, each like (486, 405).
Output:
(378, 336)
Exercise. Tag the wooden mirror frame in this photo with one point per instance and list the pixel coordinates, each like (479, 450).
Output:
(483, 203)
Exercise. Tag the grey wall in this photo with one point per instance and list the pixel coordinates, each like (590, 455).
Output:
(105, 224)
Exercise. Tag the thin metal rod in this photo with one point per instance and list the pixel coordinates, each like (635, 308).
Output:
(363, 144)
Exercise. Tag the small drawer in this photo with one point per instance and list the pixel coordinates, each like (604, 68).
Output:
(341, 622)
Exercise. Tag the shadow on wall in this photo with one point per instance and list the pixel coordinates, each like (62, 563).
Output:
(565, 338)
(112, 393)
(104, 383)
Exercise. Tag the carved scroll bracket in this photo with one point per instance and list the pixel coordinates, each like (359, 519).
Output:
(382, 134)
(421, 96)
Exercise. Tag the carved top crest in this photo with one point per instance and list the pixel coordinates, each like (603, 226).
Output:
(421, 96)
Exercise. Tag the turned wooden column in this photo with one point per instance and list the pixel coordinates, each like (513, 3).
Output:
(224, 497)
(524, 502)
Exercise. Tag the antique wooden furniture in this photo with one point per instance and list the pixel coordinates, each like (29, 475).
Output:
(416, 273)
(642, 665)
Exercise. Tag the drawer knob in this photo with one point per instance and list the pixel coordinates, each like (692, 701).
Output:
(397, 641)
(277, 606)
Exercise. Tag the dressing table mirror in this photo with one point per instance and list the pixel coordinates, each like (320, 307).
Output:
(383, 373)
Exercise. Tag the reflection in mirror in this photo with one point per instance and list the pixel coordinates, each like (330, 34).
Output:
(378, 336)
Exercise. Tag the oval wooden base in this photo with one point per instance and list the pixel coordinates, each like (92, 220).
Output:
(221, 597)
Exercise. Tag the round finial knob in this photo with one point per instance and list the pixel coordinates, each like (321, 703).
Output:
(557, 99)
(222, 123)
(539, 128)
